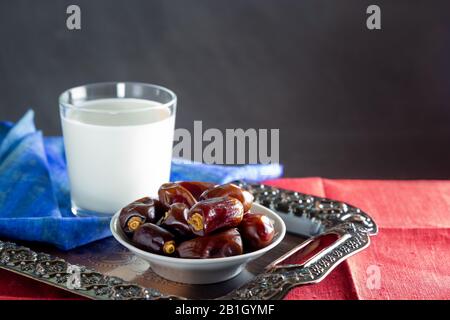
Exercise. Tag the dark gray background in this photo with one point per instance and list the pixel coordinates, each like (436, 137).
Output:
(349, 102)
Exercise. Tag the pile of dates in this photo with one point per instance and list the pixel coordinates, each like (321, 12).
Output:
(196, 220)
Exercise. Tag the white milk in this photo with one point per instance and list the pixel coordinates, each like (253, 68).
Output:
(119, 155)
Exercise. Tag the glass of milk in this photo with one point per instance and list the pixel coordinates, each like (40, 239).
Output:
(118, 140)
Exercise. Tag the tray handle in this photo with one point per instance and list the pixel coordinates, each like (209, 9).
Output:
(316, 258)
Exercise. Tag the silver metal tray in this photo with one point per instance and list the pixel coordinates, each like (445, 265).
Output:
(105, 270)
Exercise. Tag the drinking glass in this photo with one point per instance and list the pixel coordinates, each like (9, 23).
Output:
(118, 140)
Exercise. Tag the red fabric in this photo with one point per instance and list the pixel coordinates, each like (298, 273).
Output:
(411, 251)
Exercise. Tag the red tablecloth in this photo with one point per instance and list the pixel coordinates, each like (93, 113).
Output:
(408, 259)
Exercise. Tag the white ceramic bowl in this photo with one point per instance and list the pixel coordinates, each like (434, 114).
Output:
(201, 271)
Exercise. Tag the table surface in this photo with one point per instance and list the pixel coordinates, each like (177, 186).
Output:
(408, 259)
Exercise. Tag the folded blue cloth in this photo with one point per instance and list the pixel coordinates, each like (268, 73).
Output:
(34, 189)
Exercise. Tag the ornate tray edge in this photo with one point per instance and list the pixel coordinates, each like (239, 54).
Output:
(73, 278)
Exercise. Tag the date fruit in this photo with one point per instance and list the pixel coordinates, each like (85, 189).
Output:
(196, 188)
(175, 220)
(153, 238)
(170, 193)
(198, 220)
(212, 214)
(257, 231)
(224, 244)
(230, 190)
(139, 212)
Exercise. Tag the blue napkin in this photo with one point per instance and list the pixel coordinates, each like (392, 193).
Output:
(34, 189)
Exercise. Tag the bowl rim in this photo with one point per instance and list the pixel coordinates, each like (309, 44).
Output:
(120, 237)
